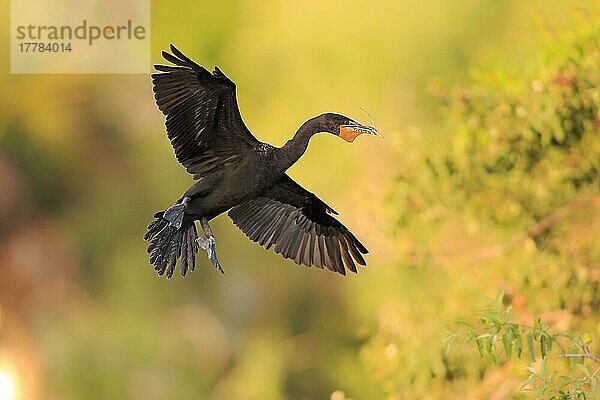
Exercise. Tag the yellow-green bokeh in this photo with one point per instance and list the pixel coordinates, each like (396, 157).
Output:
(84, 163)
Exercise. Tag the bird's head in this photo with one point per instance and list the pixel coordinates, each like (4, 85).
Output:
(344, 127)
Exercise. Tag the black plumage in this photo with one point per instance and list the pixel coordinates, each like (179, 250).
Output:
(237, 172)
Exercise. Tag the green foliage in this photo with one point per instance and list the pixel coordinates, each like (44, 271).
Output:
(506, 201)
(498, 325)
(523, 145)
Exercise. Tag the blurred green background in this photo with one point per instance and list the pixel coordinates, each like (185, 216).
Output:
(85, 162)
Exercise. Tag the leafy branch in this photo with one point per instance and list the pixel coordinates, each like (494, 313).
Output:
(496, 326)
(553, 386)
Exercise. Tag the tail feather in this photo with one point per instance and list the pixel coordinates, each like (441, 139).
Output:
(175, 215)
(168, 243)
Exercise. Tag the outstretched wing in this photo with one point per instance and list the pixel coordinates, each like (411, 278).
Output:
(203, 123)
(300, 226)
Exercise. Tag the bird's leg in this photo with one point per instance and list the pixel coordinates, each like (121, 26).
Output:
(207, 243)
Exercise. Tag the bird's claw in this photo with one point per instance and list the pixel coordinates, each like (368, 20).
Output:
(208, 244)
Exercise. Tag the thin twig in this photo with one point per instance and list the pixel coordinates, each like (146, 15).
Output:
(578, 355)
(536, 230)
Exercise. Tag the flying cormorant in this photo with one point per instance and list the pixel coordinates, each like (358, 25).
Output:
(239, 173)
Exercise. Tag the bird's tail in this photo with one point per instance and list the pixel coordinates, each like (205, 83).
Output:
(171, 238)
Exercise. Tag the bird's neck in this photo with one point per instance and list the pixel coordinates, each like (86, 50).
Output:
(296, 146)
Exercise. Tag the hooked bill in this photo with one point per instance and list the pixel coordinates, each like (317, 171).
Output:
(352, 131)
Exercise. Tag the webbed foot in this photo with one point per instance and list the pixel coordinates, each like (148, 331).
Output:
(207, 243)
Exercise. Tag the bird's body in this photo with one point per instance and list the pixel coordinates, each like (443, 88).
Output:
(237, 172)
(219, 191)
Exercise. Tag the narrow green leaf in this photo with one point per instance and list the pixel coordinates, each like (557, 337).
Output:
(584, 369)
(543, 346)
(508, 312)
(519, 345)
(537, 327)
(507, 342)
(489, 345)
(500, 299)
(544, 368)
(510, 328)
(530, 348)
(479, 342)
(497, 324)
(531, 370)
(464, 323)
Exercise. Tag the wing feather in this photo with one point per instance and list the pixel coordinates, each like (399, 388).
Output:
(203, 119)
(300, 227)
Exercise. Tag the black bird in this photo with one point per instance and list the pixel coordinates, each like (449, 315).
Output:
(237, 172)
